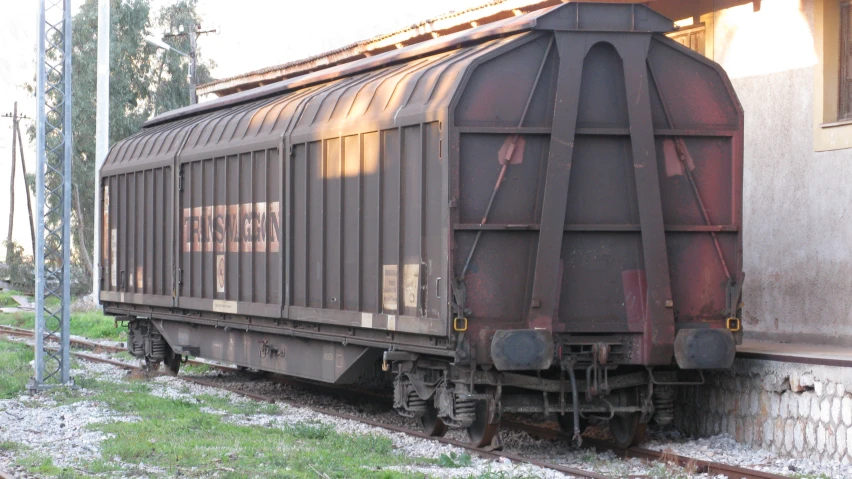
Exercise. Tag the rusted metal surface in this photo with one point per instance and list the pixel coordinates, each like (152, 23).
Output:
(571, 171)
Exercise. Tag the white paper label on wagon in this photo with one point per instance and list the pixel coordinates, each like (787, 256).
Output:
(366, 320)
(390, 287)
(220, 273)
(411, 285)
(391, 322)
(222, 306)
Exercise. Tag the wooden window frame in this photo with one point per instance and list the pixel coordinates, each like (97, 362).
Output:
(830, 131)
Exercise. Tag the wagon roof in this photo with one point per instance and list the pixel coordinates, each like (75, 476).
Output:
(572, 16)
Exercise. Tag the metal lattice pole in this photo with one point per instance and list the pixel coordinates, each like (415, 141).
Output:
(53, 193)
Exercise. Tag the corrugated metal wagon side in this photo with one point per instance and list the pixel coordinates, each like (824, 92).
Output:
(138, 184)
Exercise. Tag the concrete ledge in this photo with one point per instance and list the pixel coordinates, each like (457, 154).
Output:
(827, 355)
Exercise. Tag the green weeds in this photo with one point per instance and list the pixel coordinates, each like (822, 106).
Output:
(183, 440)
(6, 300)
(15, 369)
(195, 368)
(176, 434)
(91, 325)
(454, 460)
(9, 446)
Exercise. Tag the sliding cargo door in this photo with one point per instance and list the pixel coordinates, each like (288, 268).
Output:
(229, 237)
(136, 254)
(366, 231)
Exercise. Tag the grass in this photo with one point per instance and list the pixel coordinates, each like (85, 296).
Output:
(195, 368)
(91, 325)
(9, 446)
(184, 440)
(39, 464)
(6, 300)
(15, 369)
(177, 435)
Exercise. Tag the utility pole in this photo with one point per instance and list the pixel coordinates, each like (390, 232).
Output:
(193, 96)
(26, 188)
(193, 35)
(101, 135)
(12, 184)
(17, 139)
(53, 196)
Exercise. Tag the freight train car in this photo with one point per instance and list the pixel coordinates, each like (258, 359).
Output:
(538, 215)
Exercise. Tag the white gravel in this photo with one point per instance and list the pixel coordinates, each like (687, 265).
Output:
(60, 431)
(724, 449)
(35, 422)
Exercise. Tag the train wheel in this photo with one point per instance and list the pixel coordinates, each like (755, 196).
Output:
(625, 428)
(431, 423)
(480, 432)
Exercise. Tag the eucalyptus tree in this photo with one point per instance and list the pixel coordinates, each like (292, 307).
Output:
(144, 81)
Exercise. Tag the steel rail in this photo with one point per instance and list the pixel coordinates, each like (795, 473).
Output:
(697, 465)
(493, 455)
(97, 347)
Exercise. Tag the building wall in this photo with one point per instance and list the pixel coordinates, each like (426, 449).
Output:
(797, 202)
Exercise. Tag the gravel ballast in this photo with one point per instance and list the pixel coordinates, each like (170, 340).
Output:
(44, 426)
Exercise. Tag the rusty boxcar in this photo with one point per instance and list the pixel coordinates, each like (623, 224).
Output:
(487, 216)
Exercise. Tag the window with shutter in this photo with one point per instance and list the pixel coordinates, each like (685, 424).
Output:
(844, 98)
(691, 37)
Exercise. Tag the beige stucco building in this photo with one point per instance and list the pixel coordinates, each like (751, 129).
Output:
(788, 61)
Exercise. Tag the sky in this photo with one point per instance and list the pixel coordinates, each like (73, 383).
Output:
(252, 34)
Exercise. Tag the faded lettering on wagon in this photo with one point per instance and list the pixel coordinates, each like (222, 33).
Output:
(249, 227)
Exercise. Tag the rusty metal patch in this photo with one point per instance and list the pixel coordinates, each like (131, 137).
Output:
(512, 151)
(140, 278)
(674, 165)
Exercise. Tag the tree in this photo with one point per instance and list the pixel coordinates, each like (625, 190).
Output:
(143, 81)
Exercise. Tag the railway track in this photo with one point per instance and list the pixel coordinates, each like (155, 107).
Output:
(690, 464)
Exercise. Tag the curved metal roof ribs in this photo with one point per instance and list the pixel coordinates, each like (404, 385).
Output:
(554, 16)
